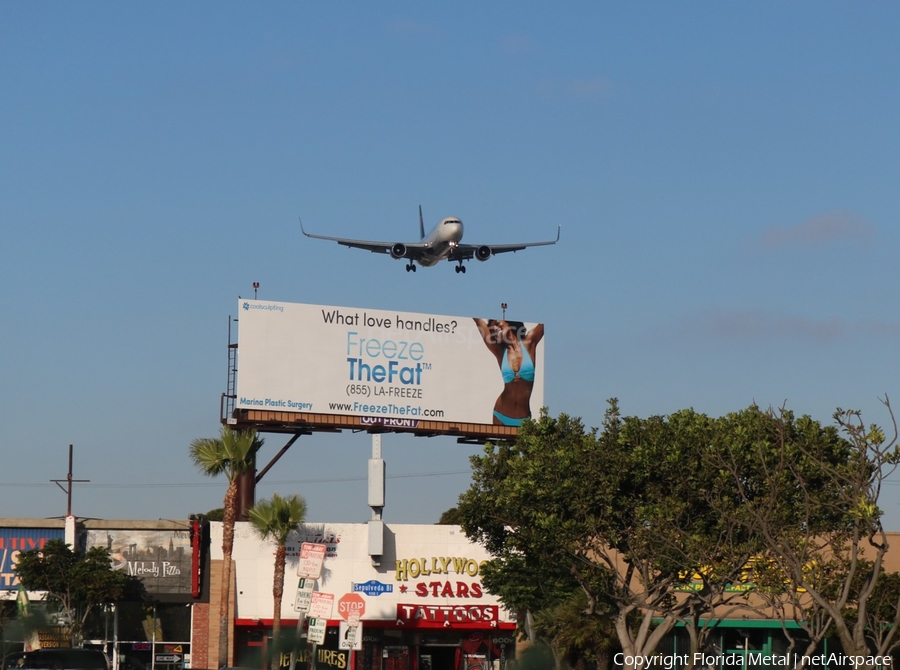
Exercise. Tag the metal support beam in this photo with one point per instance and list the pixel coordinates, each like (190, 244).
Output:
(246, 496)
(376, 501)
(281, 453)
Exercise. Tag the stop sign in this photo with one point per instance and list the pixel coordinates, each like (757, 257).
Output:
(351, 602)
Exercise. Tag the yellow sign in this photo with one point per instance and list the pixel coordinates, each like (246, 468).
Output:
(412, 568)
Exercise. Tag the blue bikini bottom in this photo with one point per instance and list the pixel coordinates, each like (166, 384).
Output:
(506, 421)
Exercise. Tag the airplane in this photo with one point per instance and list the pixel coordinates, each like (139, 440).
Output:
(442, 243)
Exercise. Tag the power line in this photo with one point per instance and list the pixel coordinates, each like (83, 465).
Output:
(330, 480)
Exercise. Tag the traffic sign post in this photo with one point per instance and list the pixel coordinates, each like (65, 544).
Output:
(312, 556)
(316, 632)
(302, 603)
(349, 637)
(319, 611)
(303, 599)
(321, 605)
(350, 603)
(352, 628)
(297, 637)
(351, 606)
(353, 625)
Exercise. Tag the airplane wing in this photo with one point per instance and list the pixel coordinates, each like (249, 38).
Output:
(466, 252)
(410, 248)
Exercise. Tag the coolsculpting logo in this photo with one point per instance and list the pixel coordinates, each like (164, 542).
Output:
(268, 308)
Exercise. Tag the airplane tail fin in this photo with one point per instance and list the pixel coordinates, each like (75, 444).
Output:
(421, 224)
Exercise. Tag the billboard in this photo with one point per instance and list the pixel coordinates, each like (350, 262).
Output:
(386, 367)
(161, 559)
(14, 540)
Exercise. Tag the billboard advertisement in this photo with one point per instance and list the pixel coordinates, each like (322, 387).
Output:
(161, 559)
(387, 367)
(14, 540)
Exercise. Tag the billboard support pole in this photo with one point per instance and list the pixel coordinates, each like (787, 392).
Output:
(376, 478)
(376, 501)
(376, 445)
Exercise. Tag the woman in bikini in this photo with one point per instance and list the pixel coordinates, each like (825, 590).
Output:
(516, 353)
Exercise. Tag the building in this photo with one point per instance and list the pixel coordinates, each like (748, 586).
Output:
(424, 605)
(168, 557)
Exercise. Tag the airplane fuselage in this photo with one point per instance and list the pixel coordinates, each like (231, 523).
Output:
(440, 241)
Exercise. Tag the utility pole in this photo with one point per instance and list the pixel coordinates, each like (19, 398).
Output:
(67, 489)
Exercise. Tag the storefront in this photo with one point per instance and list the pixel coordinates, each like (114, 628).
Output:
(429, 649)
(423, 604)
(167, 557)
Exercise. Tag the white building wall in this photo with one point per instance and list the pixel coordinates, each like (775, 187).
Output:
(428, 565)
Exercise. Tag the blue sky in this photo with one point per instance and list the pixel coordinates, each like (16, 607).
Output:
(725, 175)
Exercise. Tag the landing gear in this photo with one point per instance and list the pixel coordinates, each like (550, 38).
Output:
(460, 268)
(410, 267)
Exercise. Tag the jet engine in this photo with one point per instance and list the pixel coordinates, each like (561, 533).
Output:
(398, 250)
(483, 252)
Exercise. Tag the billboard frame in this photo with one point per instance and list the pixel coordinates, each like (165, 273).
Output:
(265, 421)
(305, 423)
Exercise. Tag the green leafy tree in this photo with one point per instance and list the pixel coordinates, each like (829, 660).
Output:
(552, 608)
(810, 492)
(231, 454)
(880, 607)
(274, 520)
(622, 515)
(450, 517)
(583, 639)
(75, 583)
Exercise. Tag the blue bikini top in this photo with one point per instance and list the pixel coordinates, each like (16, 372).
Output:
(526, 369)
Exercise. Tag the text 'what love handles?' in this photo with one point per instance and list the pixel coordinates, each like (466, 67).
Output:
(429, 324)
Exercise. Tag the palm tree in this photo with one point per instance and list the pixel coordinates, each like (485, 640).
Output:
(274, 520)
(231, 454)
